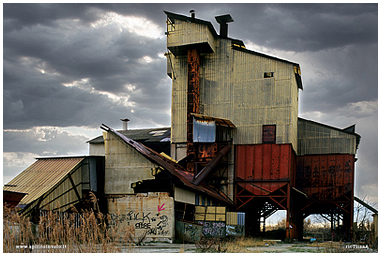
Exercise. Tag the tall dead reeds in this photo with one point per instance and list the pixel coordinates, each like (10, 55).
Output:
(85, 231)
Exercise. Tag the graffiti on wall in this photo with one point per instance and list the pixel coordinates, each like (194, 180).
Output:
(193, 232)
(213, 228)
(155, 223)
(235, 230)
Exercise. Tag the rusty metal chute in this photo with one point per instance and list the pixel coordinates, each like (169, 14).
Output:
(209, 167)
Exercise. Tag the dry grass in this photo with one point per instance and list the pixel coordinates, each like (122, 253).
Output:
(240, 244)
(232, 245)
(85, 232)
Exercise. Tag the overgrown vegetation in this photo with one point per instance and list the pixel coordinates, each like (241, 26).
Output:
(86, 231)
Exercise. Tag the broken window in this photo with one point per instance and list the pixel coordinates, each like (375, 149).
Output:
(268, 74)
(269, 134)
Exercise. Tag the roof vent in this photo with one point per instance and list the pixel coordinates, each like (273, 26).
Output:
(125, 121)
(193, 14)
(223, 20)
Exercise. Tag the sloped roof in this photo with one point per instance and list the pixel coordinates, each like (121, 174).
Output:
(173, 168)
(41, 176)
(162, 134)
(348, 130)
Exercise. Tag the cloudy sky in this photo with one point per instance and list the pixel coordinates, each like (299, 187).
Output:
(68, 68)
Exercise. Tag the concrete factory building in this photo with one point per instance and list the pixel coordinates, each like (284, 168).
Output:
(236, 151)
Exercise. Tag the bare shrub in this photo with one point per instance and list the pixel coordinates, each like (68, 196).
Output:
(62, 232)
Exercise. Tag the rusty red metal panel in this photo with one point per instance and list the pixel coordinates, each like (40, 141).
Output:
(339, 184)
(284, 168)
(263, 168)
(325, 177)
(258, 164)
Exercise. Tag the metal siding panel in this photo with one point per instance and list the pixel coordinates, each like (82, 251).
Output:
(266, 164)
(187, 33)
(240, 162)
(231, 218)
(124, 163)
(325, 177)
(284, 165)
(243, 95)
(258, 165)
(339, 186)
(263, 162)
(307, 174)
(241, 218)
(275, 162)
(179, 101)
(314, 138)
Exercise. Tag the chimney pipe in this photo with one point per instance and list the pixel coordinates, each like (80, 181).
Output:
(223, 20)
(125, 121)
(193, 14)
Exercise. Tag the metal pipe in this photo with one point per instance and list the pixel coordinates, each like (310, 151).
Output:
(210, 166)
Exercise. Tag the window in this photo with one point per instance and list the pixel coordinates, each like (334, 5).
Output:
(268, 74)
(269, 134)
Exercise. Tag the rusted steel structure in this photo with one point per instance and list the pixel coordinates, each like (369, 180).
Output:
(193, 100)
(276, 160)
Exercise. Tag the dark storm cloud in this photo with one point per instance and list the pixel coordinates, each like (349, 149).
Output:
(69, 51)
(71, 65)
(305, 27)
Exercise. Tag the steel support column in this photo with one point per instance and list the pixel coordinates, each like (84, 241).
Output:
(193, 105)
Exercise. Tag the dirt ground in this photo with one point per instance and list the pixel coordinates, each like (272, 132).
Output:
(277, 247)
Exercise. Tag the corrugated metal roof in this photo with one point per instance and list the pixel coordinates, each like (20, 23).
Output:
(219, 121)
(41, 176)
(142, 135)
(173, 168)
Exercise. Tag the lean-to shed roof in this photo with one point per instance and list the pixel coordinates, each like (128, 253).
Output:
(41, 176)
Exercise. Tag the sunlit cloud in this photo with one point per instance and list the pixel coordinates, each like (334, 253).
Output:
(137, 25)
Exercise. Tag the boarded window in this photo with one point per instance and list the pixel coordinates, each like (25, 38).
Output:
(269, 134)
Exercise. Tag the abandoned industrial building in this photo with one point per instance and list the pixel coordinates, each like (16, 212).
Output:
(236, 151)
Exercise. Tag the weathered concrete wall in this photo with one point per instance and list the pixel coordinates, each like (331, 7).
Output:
(150, 213)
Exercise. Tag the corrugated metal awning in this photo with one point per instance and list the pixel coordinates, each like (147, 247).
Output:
(41, 176)
(217, 120)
